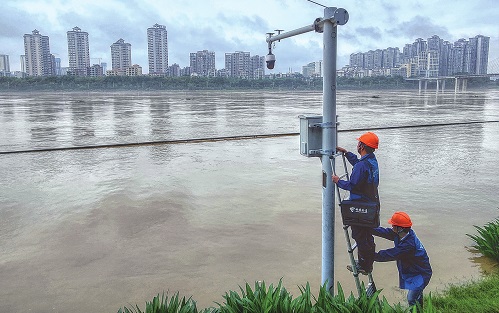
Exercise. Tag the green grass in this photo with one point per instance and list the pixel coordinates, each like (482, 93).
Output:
(487, 240)
(474, 297)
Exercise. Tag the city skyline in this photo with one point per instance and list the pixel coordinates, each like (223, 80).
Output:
(433, 57)
(439, 54)
(195, 26)
(79, 59)
(38, 61)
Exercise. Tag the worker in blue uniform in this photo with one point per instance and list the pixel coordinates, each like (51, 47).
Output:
(413, 262)
(363, 186)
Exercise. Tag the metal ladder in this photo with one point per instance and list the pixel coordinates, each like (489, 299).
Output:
(371, 286)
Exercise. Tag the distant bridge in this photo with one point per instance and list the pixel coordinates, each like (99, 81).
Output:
(460, 81)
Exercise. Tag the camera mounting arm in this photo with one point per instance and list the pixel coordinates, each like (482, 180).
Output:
(339, 17)
(316, 26)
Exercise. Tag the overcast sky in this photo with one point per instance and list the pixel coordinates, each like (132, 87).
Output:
(240, 25)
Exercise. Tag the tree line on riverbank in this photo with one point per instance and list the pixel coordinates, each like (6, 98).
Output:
(145, 83)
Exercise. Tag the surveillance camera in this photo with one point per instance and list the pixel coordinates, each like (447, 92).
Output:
(270, 59)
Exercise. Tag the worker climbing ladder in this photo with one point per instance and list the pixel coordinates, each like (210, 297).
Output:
(371, 287)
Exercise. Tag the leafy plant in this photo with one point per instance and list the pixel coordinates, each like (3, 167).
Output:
(162, 305)
(487, 240)
(263, 299)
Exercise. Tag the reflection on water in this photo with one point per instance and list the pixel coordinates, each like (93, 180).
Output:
(82, 118)
(93, 230)
(160, 114)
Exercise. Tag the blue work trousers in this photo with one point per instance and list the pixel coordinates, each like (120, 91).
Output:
(365, 246)
(415, 297)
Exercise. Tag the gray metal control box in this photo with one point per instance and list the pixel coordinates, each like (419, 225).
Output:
(310, 135)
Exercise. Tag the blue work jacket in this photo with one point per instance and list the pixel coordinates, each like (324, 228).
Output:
(364, 180)
(413, 262)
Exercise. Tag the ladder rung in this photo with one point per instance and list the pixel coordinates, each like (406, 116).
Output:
(346, 226)
(342, 176)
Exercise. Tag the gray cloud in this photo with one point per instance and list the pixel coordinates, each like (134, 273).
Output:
(418, 27)
(9, 23)
(252, 23)
(369, 32)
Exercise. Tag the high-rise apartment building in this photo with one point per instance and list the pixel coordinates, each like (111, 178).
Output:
(457, 57)
(419, 46)
(121, 55)
(78, 52)
(390, 58)
(445, 58)
(4, 64)
(22, 60)
(378, 58)
(257, 67)
(479, 54)
(369, 59)
(357, 59)
(406, 53)
(237, 64)
(38, 57)
(434, 43)
(202, 63)
(104, 66)
(157, 49)
(57, 66)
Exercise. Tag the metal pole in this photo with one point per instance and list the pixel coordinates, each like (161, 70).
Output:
(328, 25)
(328, 146)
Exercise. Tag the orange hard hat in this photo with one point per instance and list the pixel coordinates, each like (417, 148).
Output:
(400, 219)
(369, 139)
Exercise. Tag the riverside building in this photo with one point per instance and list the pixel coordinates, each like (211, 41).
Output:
(39, 61)
(121, 56)
(78, 52)
(241, 64)
(202, 63)
(4, 65)
(157, 49)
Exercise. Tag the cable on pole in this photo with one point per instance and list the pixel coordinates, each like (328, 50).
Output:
(317, 3)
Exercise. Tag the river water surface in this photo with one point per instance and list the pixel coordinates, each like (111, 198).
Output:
(96, 229)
